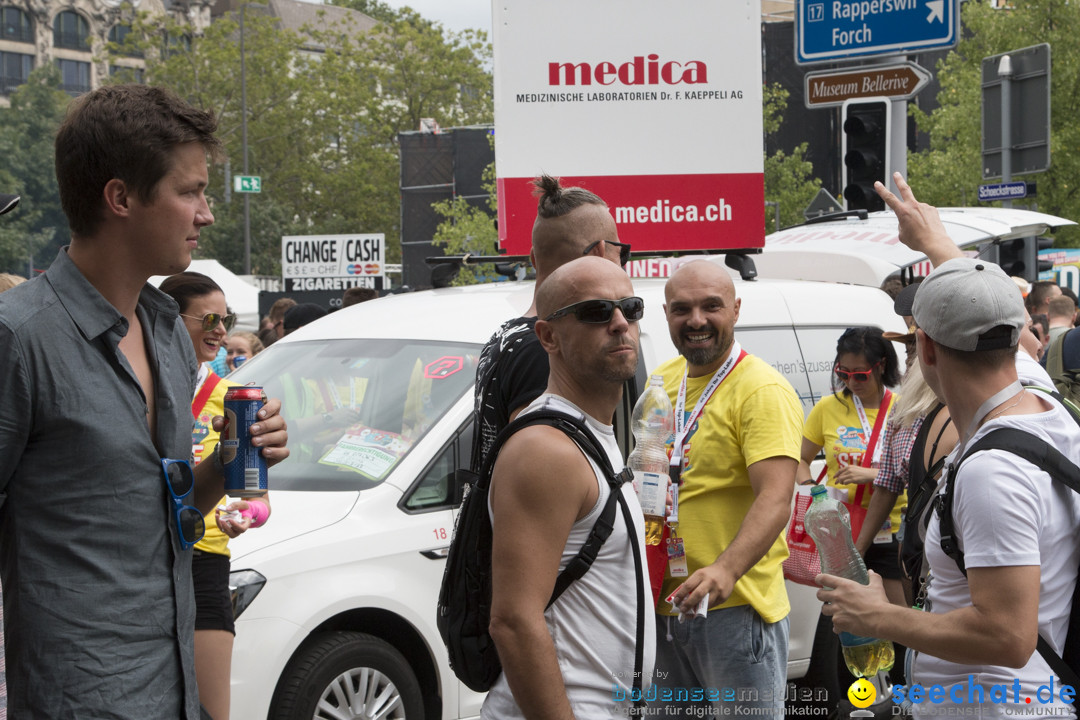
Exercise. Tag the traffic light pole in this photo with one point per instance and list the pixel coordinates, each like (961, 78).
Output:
(1005, 72)
(898, 144)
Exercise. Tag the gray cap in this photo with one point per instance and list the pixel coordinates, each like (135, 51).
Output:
(970, 304)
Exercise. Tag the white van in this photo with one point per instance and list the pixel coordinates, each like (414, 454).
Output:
(335, 597)
(865, 248)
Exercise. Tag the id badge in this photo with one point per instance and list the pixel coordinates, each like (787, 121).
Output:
(676, 551)
(884, 535)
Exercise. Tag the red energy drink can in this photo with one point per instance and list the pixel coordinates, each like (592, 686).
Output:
(245, 467)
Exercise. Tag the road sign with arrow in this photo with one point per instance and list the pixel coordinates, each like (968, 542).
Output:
(831, 30)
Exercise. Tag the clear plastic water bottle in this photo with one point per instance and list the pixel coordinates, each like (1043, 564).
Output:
(652, 424)
(827, 523)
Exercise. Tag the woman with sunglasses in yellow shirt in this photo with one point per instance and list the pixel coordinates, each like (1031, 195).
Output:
(851, 426)
(205, 315)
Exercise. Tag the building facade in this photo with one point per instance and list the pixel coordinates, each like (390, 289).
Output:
(71, 35)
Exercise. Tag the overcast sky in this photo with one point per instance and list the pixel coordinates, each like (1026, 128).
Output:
(455, 15)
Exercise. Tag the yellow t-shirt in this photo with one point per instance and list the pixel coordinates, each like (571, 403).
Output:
(203, 441)
(834, 424)
(754, 415)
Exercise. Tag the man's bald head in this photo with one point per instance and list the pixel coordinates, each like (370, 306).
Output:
(584, 278)
(701, 273)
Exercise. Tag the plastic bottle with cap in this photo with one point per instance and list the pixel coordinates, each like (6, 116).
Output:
(827, 523)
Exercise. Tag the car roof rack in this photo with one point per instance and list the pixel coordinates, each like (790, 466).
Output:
(860, 213)
(515, 267)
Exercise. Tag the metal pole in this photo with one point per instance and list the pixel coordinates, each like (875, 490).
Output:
(244, 142)
(897, 143)
(1005, 71)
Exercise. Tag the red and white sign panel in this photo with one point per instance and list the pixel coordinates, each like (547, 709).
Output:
(655, 107)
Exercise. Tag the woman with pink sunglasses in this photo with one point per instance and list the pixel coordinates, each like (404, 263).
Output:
(851, 426)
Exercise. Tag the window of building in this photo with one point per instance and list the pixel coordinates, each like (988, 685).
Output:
(118, 36)
(123, 73)
(15, 25)
(71, 31)
(14, 70)
(176, 44)
(74, 76)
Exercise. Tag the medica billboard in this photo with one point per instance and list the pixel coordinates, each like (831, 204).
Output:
(655, 107)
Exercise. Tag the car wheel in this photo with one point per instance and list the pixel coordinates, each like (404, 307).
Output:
(348, 676)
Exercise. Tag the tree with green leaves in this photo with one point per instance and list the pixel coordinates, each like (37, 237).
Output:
(950, 172)
(469, 229)
(789, 178)
(325, 104)
(31, 235)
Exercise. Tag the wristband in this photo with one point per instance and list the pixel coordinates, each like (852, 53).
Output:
(257, 511)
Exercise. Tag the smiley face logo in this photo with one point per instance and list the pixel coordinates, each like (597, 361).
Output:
(862, 693)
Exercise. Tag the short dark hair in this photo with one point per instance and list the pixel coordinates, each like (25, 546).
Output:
(892, 285)
(980, 359)
(1038, 293)
(186, 286)
(553, 200)
(125, 132)
(355, 295)
(279, 308)
(1043, 321)
(868, 342)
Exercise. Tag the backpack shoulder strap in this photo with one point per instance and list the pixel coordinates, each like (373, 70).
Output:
(1022, 444)
(1043, 455)
(576, 429)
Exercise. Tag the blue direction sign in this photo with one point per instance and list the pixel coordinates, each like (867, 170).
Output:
(1003, 191)
(831, 30)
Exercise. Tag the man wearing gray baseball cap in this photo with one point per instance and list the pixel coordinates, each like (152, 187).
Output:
(1002, 572)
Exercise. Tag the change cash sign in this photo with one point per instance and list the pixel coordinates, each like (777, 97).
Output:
(656, 108)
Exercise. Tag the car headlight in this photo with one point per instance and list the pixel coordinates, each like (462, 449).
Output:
(244, 585)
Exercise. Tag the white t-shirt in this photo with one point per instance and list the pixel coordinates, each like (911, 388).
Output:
(594, 622)
(1008, 512)
(1031, 372)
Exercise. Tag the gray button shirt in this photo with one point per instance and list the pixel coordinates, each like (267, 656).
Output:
(98, 604)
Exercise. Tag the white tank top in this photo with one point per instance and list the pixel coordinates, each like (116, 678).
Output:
(594, 622)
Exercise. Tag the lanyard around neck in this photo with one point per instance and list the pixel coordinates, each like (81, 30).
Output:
(870, 433)
(682, 428)
(984, 410)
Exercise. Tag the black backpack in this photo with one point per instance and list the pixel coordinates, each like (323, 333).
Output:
(464, 609)
(1062, 362)
(1060, 468)
(921, 492)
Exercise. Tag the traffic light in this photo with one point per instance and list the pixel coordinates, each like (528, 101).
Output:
(865, 148)
(1020, 257)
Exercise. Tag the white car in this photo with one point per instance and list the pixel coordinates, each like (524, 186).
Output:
(335, 597)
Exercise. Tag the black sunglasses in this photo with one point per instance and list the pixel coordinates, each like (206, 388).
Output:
(181, 481)
(624, 249)
(211, 320)
(601, 311)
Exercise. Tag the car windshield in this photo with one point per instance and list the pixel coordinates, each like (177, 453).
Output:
(355, 408)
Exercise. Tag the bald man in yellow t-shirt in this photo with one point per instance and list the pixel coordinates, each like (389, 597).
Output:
(738, 432)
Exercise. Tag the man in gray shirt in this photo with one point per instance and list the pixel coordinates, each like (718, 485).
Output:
(97, 375)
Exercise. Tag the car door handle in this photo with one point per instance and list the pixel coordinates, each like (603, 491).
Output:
(437, 553)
